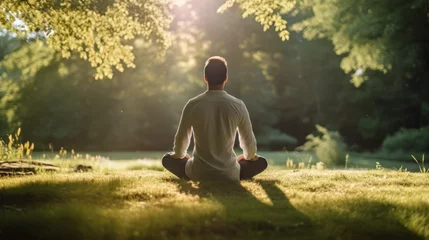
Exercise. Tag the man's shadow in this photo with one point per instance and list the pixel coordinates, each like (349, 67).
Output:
(246, 214)
(248, 217)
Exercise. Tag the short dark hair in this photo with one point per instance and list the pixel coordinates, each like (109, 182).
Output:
(216, 70)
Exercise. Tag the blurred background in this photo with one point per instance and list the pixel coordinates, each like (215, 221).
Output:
(289, 87)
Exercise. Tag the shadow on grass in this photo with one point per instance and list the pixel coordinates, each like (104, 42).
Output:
(281, 220)
(54, 210)
(34, 194)
(366, 219)
(246, 216)
(79, 209)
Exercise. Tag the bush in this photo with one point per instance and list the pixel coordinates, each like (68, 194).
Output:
(407, 140)
(329, 146)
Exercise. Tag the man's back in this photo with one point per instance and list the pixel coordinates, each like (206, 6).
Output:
(214, 117)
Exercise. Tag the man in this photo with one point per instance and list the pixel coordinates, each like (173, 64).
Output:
(214, 117)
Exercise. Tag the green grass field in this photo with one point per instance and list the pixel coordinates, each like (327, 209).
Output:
(356, 161)
(132, 199)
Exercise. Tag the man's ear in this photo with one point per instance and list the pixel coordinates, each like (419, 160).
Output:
(205, 79)
(226, 79)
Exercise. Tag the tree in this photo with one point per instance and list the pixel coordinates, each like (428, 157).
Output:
(384, 41)
(59, 102)
(267, 12)
(288, 87)
(99, 31)
(372, 34)
(8, 44)
(140, 108)
(369, 34)
(231, 37)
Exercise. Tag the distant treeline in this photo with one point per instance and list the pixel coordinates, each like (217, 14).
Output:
(288, 87)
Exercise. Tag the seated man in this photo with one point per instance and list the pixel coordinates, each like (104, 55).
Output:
(214, 117)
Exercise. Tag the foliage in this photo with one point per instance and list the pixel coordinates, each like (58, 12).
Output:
(369, 34)
(98, 31)
(84, 109)
(19, 68)
(13, 149)
(8, 44)
(407, 140)
(267, 12)
(383, 41)
(329, 146)
(27, 60)
(287, 87)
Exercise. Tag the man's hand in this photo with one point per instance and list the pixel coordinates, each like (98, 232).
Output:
(241, 157)
(174, 156)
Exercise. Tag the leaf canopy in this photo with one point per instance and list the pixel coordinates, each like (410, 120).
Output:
(97, 30)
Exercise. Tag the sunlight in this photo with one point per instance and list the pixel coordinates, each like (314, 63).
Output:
(180, 3)
(258, 192)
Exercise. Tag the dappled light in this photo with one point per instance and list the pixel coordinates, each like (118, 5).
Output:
(180, 3)
(214, 119)
(302, 204)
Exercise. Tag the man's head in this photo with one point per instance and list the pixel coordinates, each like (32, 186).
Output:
(216, 71)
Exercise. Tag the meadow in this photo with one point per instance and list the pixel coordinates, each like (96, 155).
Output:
(137, 199)
(275, 158)
(344, 83)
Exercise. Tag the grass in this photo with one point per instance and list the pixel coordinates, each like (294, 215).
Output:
(422, 167)
(137, 200)
(355, 161)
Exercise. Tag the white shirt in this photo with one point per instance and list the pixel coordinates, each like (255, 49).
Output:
(214, 117)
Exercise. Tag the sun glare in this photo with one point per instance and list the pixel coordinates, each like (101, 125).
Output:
(179, 3)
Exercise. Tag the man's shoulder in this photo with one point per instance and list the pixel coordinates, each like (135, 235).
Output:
(194, 101)
(196, 98)
(203, 97)
(234, 99)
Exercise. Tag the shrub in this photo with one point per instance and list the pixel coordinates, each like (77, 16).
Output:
(407, 140)
(329, 146)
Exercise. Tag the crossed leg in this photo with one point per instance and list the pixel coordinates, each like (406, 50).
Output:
(175, 166)
(248, 169)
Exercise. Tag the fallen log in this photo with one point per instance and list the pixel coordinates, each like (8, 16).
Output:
(24, 168)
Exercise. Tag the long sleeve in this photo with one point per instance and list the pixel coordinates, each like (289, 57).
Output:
(183, 134)
(246, 136)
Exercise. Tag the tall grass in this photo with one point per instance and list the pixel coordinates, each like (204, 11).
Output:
(13, 149)
(422, 167)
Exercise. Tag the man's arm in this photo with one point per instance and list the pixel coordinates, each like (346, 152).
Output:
(246, 136)
(183, 134)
